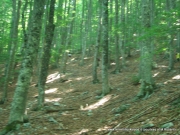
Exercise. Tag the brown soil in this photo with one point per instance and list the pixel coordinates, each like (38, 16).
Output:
(73, 109)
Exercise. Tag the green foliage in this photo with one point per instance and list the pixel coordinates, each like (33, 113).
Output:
(135, 79)
(3, 57)
(54, 56)
(2, 79)
(15, 125)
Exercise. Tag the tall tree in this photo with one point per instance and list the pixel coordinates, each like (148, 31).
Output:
(25, 28)
(86, 31)
(69, 33)
(117, 70)
(170, 4)
(12, 45)
(58, 29)
(105, 79)
(147, 83)
(110, 30)
(46, 55)
(129, 23)
(123, 35)
(24, 78)
(152, 15)
(98, 41)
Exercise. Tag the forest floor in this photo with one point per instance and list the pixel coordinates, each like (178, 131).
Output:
(72, 106)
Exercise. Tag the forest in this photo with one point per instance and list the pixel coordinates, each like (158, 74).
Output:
(90, 67)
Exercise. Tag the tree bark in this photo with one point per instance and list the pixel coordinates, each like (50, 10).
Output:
(46, 55)
(13, 46)
(147, 83)
(123, 36)
(20, 96)
(69, 35)
(105, 79)
(170, 4)
(98, 41)
(117, 70)
(86, 32)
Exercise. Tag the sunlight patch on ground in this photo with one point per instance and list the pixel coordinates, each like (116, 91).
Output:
(51, 100)
(89, 65)
(99, 103)
(162, 66)
(155, 74)
(86, 58)
(112, 64)
(79, 78)
(81, 132)
(68, 91)
(83, 78)
(102, 129)
(73, 59)
(51, 90)
(68, 81)
(168, 81)
(53, 77)
(177, 77)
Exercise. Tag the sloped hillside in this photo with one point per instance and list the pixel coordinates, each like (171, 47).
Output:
(72, 106)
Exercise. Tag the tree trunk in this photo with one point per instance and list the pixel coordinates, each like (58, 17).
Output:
(86, 32)
(20, 96)
(178, 42)
(111, 38)
(170, 4)
(58, 33)
(13, 46)
(46, 55)
(96, 54)
(69, 35)
(122, 44)
(117, 70)
(147, 83)
(130, 30)
(105, 79)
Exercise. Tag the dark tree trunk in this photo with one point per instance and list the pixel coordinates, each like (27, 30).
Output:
(24, 78)
(46, 55)
(96, 54)
(105, 79)
(12, 48)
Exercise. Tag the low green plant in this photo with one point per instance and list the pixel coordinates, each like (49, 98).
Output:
(135, 79)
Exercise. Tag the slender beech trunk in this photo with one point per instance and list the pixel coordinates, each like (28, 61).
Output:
(98, 41)
(178, 41)
(117, 70)
(13, 46)
(20, 96)
(86, 33)
(110, 25)
(147, 83)
(46, 55)
(25, 28)
(58, 31)
(152, 8)
(130, 30)
(69, 35)
(123, 37)
(105, 79)
(170, 4)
